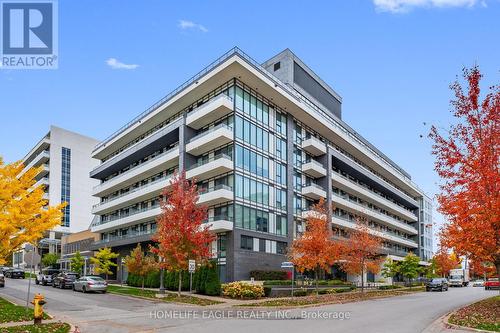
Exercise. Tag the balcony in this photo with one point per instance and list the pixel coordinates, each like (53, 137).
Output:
(314, 169)
(42, 158)
(314, 146)
(210, 111)
(211, 139)
(364, 193)
(357, 208)
(220, 223)
(345, 223)
(130, 237)
(212, 167)
(44, 171)
(132, 217)
(42, 181)
(215, 195)
(314, 191)
(154, 165)
(138, 194)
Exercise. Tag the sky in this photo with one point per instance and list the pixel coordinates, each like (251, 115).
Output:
(392, 61)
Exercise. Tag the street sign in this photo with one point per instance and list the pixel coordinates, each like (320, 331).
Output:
(192, 266)
(287, 264)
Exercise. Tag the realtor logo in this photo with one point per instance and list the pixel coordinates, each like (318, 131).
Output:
(28, 34)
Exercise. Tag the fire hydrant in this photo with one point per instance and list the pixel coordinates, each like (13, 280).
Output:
(38, 302)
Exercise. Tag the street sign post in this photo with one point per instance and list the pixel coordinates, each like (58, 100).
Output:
(191, 269)
(289, 264)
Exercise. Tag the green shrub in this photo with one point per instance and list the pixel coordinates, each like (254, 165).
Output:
(277, 282)
(267, 291)
(300, 292)
(242, 290)
(268, 275)
(212, 282)
(389, 287)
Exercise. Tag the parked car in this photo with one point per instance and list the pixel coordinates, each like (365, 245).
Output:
(478, 283)
(440, 284)
(3, 269)
(492, 283)
(14, 273)
(90, 283)
(2, 280)
(44, 277)
(64, 280)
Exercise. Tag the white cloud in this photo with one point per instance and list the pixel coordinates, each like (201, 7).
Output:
(115, 64)
(403, 6)
(185, 25)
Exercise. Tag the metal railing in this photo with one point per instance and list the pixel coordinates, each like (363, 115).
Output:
(138, 165)
(124, 215)
(210, 101)
(211, 130)
(314, 162)
(223, 217)
(215, 188)
(127, 236)
(319, 187)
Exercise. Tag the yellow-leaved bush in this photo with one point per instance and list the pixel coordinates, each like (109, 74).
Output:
(242, 290)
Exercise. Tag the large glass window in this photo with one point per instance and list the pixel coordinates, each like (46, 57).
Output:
(251, 161)
(251, 189)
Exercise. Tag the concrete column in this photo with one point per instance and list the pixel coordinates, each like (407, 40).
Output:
(289, 177)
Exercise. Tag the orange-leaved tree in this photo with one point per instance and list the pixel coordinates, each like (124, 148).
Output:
(315, 250)
(181, 235)
(467, 161)
(24, 214)
(481, 269)
(139, 264)
(361, 251)
(445, 262)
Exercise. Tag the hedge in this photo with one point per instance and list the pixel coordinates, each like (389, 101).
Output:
(205, 280)
(268, 275)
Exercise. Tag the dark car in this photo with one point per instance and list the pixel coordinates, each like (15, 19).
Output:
(14, 273)
(64, 280)
(437, 284)
(2, 280)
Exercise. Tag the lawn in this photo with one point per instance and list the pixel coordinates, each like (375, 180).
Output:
(43, 328)
(483, 315)
(169, 296)
(332, 298)
(10, 312)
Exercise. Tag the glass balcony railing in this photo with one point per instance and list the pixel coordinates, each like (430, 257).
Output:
(346, 197)
(127, 236)
(371, 191)
(211, 130)
(151, 160)
(216, 98)
(211, 159)
(134, 190)
(223, 217)
(215, 188)
(131, 212)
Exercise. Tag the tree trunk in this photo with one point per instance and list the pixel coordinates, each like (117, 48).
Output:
(497, 265)
(362, 280)
(180, 284)
(316, 277)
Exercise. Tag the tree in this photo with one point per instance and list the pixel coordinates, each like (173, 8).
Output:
(49, 259)
(24, 214)
(77, 263)
(409, 267)
(315, 250)
(181, 235)
(390, 269)
(467, 161)
(430, 271)
(445, 262)
(481, 269)
(139, 264)
(103, 261)
(361, 252)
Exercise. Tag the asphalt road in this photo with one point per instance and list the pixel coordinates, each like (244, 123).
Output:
(95, 313)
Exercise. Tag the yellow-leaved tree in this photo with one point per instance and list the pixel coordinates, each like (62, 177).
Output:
(24, 214)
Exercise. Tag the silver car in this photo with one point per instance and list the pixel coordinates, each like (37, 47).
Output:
(90, 283)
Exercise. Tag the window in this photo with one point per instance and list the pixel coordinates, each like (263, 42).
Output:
(246, 243)
(66, 184)
(277, 66)
(281, 247)
(281, 123)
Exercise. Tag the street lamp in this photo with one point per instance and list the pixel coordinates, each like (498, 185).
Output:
(162, 273)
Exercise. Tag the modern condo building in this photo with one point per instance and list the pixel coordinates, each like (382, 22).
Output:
(264, 142)
(65, 161)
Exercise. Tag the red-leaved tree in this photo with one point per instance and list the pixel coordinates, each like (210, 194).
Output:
(467, 161)
(361, 252)
(445, 262)
(315, 250)
(180, 234)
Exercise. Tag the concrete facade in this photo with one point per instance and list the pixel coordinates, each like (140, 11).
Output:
(48, 153)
